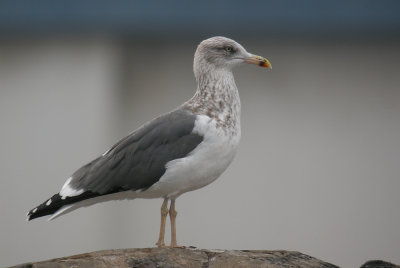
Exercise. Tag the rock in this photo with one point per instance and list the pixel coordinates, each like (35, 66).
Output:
(192, 258)
(379, 264)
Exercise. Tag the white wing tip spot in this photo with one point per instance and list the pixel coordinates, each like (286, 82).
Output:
(48, 202)
(67, 190)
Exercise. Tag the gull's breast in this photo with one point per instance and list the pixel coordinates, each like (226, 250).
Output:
(203, 165)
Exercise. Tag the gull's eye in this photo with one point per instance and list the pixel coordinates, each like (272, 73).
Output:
(228, 49)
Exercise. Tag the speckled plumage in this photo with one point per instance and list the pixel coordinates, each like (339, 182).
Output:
(217, 95)
(219, 100)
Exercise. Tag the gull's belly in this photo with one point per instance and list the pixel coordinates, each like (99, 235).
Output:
(201, 167)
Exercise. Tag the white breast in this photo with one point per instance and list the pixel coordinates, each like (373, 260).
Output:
(202, 166)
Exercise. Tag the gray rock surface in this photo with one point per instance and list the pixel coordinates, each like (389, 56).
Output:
(192, 258)
(379, 264)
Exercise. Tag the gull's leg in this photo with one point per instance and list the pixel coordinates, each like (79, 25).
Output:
(164, 212)
(172, 216)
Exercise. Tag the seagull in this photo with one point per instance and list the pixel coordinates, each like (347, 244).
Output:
(177, 152)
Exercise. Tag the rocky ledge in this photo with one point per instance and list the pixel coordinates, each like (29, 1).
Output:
(169, 257)
(191, 258)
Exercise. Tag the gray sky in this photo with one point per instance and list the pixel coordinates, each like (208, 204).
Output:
(317, 170)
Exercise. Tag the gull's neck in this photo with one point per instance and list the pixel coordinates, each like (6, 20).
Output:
(217, 97)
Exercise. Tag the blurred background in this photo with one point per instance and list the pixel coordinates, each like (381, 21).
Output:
(319, 162)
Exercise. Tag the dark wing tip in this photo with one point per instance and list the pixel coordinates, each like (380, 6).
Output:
(56, 202)
(48, 207)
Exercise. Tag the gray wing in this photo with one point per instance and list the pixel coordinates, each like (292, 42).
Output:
(134, 163)
(138, 160)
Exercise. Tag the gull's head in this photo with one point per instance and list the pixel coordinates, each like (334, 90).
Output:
(223, 53)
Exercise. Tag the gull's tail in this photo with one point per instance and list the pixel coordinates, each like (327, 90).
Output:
(57, 204)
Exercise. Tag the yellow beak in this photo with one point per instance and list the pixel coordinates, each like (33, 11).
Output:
(258, 60)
